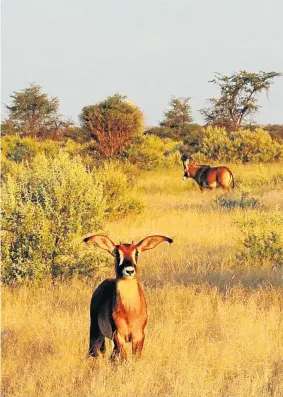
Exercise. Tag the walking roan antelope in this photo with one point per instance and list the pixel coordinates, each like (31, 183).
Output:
(118, 307)
(207, 177)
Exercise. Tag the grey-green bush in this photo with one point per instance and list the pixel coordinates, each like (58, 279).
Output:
(239, 199)
(120, 192)
(261, 241)
(149, 152)
(46, 207)
(49, 204)
(239, 146)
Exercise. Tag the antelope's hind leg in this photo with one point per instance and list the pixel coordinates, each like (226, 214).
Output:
(96, 346)
(96, 341)
(226, 188)
(103, 347)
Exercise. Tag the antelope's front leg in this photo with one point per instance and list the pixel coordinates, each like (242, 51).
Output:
(137, 344)
(119, 347)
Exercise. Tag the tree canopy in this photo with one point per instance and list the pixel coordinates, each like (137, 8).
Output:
(112, 123)
(179, 113)
(33, 113)
(237, 98)
(177, 120)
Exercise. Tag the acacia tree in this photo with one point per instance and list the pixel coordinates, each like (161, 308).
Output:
(33, 113)
(112, 123)
(237, 98)
(179, 114)
(176, 122)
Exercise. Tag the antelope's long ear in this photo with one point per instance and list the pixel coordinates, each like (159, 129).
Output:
(103, 242)
(152, 241)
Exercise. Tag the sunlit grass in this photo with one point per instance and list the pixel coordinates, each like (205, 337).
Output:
(215, 326)
(199, 342)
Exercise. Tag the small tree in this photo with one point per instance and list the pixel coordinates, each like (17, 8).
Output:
(112, 123)
(176, 123)
(179, 114)
(237, 98)
(178, 118)
(32, 113)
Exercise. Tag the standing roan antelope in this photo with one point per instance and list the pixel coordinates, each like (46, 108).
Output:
(207, 177)
(118, 306)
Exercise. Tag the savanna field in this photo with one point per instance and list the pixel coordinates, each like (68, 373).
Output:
(215, 300)
(105, 167)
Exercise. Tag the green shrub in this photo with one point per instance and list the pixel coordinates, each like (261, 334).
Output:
(25, 149)
(49, 203)
(241, 200)
(261, 243)
(149, 152)
(17, 149)
(275, 131)
(47, 206)
(119, 189)
(215, 144)
(261, 249)
(239, 146)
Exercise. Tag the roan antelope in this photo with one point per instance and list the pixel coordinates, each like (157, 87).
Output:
(118, 307)
(207, 177)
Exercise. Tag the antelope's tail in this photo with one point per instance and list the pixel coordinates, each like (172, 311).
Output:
(233, 181)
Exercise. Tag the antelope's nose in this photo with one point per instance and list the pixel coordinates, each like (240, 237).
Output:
(129, 272)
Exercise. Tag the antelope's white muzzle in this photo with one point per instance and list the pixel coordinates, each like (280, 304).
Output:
(129, 271)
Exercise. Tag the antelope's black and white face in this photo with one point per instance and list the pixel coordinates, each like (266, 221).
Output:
(185, 177)
(126, 255)
(126, 260)
(187, 170)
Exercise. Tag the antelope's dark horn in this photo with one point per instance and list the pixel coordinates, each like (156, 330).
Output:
(184, 157)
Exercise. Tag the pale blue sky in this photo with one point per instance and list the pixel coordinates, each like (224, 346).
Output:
(83, 51)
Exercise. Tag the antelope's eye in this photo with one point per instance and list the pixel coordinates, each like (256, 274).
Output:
(137, 254)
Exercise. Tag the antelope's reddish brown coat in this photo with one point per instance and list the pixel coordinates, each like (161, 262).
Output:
(209, 177)
(118, 307)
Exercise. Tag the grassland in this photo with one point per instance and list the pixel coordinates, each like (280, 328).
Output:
(215, 325)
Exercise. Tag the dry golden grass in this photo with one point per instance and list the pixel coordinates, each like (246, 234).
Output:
(215, 329)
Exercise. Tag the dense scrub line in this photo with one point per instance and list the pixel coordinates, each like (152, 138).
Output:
(52, 196)
(151, 151)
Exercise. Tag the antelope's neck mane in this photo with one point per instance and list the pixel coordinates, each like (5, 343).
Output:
(193, 168)
(128, 294)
